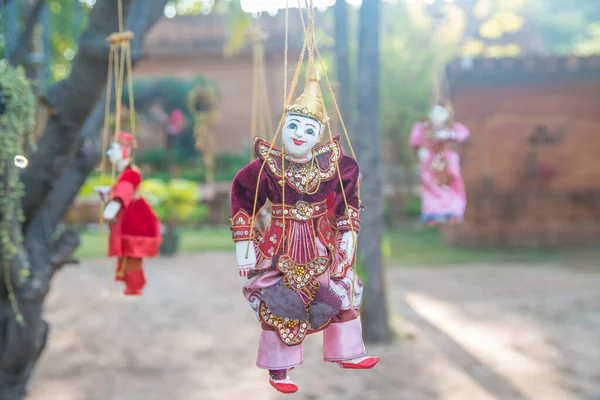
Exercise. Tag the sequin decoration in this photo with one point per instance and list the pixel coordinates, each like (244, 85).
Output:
(290, 331)
(302, 177)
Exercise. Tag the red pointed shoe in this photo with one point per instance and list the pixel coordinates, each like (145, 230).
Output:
(284, 385)
(132, 292)
(360, 363)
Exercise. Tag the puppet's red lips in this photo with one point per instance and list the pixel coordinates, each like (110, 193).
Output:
(298, 142)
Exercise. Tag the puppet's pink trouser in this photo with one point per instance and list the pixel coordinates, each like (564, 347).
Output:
(341, 341)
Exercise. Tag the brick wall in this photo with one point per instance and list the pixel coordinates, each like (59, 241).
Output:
(234, 78)
(530, 194)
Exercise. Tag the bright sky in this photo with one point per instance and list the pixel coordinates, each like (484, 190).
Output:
(253, 6)
(269, 6)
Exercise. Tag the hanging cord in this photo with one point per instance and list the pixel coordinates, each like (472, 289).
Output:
(355, 236)
(132, 113)
(119, 64)
(290, 94)
(109, 84)
(262, 120)
(285, 60)
(121, 25)
(265, 98)
(253, 127)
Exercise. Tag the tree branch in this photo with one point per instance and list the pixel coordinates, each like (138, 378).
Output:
(18, 54)
(144, 14)
(63, 249)
(72, 100)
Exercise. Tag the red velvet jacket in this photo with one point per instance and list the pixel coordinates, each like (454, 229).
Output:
(324, 191)
(136, 231)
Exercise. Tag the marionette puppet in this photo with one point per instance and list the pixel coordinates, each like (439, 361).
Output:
(300, 279)
(134, 227)
(443, 195)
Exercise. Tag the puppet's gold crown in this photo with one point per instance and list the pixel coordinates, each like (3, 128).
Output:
(310, 103)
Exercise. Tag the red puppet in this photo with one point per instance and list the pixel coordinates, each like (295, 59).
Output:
(134, 227)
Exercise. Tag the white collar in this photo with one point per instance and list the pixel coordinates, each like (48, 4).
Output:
(121, 165)
(301, 160)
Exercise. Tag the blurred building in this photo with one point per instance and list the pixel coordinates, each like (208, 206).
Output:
(530, 167)
(188, 46)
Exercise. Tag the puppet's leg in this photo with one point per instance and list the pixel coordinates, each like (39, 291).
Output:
(278, 359)
(134, 276)
(119, 273)
(343, 344)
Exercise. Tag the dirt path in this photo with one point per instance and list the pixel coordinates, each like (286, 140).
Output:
(482, 333)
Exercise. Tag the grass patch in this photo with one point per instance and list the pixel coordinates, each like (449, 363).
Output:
(405, 247)
(94, 245)
(425, 246)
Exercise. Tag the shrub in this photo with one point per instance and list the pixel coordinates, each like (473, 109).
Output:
(174, 201)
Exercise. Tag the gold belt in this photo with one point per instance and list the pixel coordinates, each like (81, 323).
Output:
(301, 211)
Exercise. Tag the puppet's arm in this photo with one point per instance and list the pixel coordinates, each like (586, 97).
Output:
(243, 192)
(416, 141)
(459, 133)
(122, 193)
(347, 211)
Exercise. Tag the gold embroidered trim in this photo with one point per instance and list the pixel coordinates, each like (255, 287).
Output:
(302, 177)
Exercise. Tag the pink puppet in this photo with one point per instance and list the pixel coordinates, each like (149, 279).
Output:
(443, 193)
(301, 279)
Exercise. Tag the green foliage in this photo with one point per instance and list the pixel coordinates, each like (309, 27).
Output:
(173, 94)
(67, 19)
(17, 123)
(238, 22)
(408, 54)
(93, 181)
(154, 158)
(226, 166)
(566, 27)
(412, 206)
(174, 201)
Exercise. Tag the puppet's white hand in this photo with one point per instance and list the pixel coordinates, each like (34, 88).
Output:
(423, 154)
(111, 210)
(348, 244)
(102, 191)
(444, 134)
(245, 263)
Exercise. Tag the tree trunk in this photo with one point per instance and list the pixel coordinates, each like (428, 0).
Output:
(24, 43)
(375, 315)
(12, 27)
(46, 77)
(342, 63)
(55, 175)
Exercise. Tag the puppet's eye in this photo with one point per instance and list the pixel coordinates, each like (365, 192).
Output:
(310, 131)
(293, 126)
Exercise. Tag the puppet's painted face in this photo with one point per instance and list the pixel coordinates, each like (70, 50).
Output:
(439, 117)
(115, 153)
(300, 134)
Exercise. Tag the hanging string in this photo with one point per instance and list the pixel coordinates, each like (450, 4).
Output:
(119, 64)
(262, 121)
(281, 120)
(265, 98)
(253, 126)
(285, 59)
(132, 113)
(121, 25)
(106, 127)
(328, 127)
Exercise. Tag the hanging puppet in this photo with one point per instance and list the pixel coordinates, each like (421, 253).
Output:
(300, 279)
(443, 195)
(134, 228)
